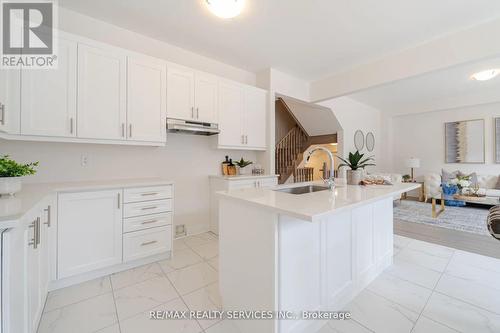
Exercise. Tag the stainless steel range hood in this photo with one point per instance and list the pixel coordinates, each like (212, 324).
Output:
(191, 127)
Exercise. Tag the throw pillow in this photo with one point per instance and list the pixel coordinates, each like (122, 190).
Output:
(472, 177)
(447, 176)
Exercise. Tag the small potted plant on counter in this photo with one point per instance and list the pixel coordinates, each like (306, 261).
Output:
(11, 173)
(242, 165)
(356, 163)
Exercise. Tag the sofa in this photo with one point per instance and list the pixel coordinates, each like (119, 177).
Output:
(487, 185)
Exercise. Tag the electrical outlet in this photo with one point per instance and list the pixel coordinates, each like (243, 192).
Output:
(84, 161)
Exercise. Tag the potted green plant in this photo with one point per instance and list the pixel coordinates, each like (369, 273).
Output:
(356, 163)
(11, 173)
(242, 165)
(406, 178)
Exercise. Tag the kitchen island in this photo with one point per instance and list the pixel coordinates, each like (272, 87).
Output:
(282, 251)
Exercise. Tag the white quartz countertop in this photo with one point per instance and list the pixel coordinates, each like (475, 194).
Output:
(14, 208)
(313, 206)
(243, 177)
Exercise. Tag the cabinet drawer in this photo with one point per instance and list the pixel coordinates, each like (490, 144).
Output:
(144, 243)
(146, 222)
(147, 208)
(147, 193)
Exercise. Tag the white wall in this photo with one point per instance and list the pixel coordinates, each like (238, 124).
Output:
(353, 115)
(187, 160)
(422, 135)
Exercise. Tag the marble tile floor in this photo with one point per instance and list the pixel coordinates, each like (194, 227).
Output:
(429, 289)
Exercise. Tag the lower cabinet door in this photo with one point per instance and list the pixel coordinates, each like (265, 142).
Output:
(147, 242)
(89, 231)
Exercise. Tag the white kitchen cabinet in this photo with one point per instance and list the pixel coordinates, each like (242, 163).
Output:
(49, 96)
(146, 99)
(147, 242)
(191, 95)
(26, 267)
(10, 100)
(89, 231)
(180, 92)
(242, 116)
(206, 88)
(102, 99)
(254, 115)
(231, 104)
(223, 183)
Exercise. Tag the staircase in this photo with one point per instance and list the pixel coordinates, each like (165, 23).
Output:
(289, 152)
(290, 148)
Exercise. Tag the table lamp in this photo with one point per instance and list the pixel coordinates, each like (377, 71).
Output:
(413, 163)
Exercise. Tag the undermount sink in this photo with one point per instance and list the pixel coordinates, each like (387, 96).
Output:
(303, 189)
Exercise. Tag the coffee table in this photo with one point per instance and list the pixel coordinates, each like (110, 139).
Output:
(479, 200)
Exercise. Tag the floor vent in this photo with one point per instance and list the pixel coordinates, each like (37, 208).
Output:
(180, 230)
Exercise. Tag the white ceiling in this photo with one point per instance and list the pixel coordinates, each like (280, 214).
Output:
(310, 39)
(439, 90)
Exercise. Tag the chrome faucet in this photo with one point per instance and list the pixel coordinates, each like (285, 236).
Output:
(331, 180)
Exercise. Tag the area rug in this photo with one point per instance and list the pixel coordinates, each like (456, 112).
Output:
(470, 219)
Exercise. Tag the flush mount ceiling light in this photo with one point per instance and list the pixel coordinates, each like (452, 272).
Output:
(485, 75)
(226, 8)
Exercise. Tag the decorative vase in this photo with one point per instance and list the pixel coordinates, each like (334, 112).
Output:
(10, 185)
(354, 177)
(448, 194)
(244, 171)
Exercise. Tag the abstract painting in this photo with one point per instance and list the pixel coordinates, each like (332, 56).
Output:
(497, 140)
(464, 141)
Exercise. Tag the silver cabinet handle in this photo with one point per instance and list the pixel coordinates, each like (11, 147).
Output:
(246, 139)
(48, 210)
(243, 139)
(38, 230)
(2, 114)
(123, 130)
(71, 125)
(197, 113)
(33, 242)
(119, 200)
(148, 243)
(149, 222)
(150, 193)
(192, 112)
(130, 130)
(148, 208)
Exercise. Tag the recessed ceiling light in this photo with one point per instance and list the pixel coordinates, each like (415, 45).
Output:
(226, 8)
(485, 75)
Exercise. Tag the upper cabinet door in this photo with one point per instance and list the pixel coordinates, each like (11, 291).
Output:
(230, 114)
(10, 98)
(101, 93)
(206, 88)
(49, 96)
(180, 93)
(255, 117)
(146, 99)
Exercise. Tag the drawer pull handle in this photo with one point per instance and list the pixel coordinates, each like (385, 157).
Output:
(148, 243)
(147, 194)
(149, 222)
(148, 208)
